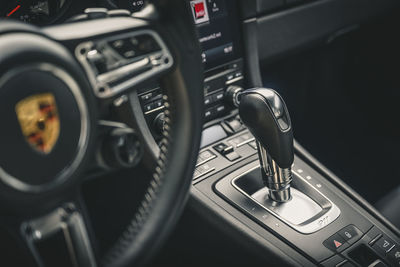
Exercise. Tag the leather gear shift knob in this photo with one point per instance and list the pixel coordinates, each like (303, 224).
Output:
(265, 113)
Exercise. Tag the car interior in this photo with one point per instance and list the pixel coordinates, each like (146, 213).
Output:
(199, 133)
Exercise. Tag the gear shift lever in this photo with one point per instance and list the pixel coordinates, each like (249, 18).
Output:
(264, 112)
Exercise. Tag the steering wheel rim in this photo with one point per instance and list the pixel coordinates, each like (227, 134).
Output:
(164, 199)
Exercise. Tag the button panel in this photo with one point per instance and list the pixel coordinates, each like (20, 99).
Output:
(394, 256)
(335, 243)
(205, 156)
(343, 238)
(384, 244)
(152, 100)
(351, 234)
(121, 62)
(241, 140)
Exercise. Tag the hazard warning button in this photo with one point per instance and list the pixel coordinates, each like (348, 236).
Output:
(336, 243)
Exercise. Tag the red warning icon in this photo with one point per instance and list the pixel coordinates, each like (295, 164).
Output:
(337, 243)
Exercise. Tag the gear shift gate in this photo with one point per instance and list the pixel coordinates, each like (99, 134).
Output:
(307, 211)
(298, 210)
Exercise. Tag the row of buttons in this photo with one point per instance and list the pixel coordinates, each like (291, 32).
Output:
(135, 46)
(385, 246)
(219, 82)
(212, 112)
(205, 156)
(202, 167)
(208, 100)
(242, 140)
(202, 170)
(151, 96)
(232, 77)
(227, 151)
(343, 238)
(153, 105)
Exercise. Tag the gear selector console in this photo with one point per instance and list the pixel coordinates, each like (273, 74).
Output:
(302, 207)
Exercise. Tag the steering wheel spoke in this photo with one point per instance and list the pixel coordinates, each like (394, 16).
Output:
(118, 63)
(60, 237)
(75, 72)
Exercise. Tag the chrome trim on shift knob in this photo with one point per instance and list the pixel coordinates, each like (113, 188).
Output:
(276, 179)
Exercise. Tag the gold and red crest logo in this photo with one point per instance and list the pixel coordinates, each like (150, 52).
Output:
(39, 121)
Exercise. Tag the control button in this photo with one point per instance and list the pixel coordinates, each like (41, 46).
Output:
(207, 100)
(384, 244)
(236, 65)
(230, 76)
(220, 147)
(159, 103)
(350, 233)
(335, 242)
(333, 261)
(220, 109)
(233, 95)
(377, 263)
(209, 113)
(253, 145)
(218, 96)
(204, 169)
(122, 149)
(232, 156)
(394, 256)
(148, 107)
(156, 96)
(373, 235)
(96, 12)
(146, 97)
(119, 13)
(227, 150)
(345, 263)
(238, 74)
(207, 154)
(235, 125)
(235, 141)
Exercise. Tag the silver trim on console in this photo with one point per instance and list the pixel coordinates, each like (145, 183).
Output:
(330, 211)
(140, 68)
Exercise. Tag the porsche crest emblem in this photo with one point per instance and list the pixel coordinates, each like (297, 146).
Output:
(39, 121)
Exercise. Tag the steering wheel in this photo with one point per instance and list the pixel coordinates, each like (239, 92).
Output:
(56, 93)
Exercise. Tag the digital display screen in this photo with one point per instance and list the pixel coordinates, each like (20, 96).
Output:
(217, 24)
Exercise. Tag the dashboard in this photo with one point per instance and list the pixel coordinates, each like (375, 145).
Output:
(47, 12)
(218, 29)
(228, 150)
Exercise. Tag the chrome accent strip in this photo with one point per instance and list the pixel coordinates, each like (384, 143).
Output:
(157, 62)
(204, 173)
(245, 142)
(205, 161)
(234, 80)
(154, 110)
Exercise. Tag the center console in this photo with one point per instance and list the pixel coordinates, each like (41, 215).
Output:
(218, 29)
(321, 220)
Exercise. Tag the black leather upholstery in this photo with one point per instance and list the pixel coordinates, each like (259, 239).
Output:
(389, 206)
